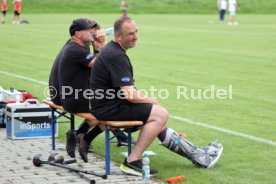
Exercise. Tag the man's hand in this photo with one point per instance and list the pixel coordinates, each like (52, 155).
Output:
(99, 39)
(135, 96)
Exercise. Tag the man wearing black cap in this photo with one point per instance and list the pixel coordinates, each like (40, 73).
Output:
(69, 79)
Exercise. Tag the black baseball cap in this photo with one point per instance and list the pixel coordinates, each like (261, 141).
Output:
(82, 24)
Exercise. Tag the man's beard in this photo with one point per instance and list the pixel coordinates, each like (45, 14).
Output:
(131, 45)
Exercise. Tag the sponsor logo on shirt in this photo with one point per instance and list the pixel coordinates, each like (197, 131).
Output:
(89, 56)
(125, 79)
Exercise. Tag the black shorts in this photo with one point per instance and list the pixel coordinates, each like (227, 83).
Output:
(76, 106)
(16, 13)
(127, 112)
(4, 12)
(56, 101)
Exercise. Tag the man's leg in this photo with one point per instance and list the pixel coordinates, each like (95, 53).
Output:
(234, 20)
(71, 135)
(230, 18)
(202, 156)
(13, 19)
(85, 140)
(3, 18)
(122, 138)
(220, 16)
(155, 123)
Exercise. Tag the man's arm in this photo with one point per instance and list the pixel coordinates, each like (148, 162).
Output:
(90, 65)
(98, 43)
(135, 96)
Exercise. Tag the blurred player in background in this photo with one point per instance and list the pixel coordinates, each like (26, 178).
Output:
(17, 9)
(222, 6)
(124, 8)
(232, 7)
(4, 8)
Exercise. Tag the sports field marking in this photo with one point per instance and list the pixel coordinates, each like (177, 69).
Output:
(184, 120)
(23, 77)
(247, 136)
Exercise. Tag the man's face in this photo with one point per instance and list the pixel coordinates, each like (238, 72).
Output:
(129, 35)
(86, 36)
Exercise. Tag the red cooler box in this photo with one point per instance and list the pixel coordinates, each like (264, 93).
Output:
(29, 120)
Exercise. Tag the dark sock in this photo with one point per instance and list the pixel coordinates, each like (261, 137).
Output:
(92, 134)
(119, 134)
(162, 135)
(133, 129)
(83, 128)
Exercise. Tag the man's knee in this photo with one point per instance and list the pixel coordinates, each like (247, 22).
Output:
(159, 114)
(165, 113)
(92, 123)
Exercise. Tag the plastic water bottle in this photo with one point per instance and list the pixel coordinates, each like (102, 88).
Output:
(146, 167)
(109, 31)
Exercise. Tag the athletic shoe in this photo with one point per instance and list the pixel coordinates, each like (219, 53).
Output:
(83, 147)
(208, 157)
(90, 148)
(71, 142)
(135, 168)
(212, 148)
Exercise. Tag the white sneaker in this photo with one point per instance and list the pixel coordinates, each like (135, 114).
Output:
(229, 23)
(236, 23)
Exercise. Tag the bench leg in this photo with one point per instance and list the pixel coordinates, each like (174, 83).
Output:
(53, 122)
(54, 119)
(129, 140)
(107, 151)
(72, 120)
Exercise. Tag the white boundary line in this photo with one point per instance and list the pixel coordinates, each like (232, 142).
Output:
(184, 120)
(251, 137)
(23, 77)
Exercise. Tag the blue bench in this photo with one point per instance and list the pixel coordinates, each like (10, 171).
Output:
(59, 112)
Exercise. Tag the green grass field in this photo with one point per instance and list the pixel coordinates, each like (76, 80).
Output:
(177, 50)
